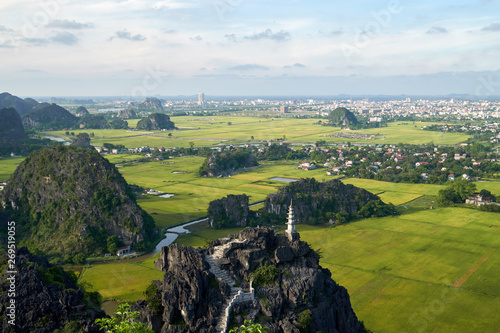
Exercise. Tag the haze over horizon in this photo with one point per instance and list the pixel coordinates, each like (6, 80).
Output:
(240, 47)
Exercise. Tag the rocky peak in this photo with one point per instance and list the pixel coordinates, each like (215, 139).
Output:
(256, 275)
(82, 111)
(127, 114)
(47, 298)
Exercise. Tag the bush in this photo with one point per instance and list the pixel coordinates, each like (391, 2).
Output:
(123, 322)
(153, 298)
(265, 275)
(305, 320)
(250, 328)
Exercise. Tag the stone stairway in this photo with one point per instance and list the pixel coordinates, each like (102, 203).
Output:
(215, 269)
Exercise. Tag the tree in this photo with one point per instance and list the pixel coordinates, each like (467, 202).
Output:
(112, 244)
(79, 258)
(248, 327)
(123, 322)
(488, 194)
(463, 188)
(456, 192)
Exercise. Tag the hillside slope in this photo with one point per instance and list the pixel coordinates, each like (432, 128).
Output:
(22, 106)
(11, 131)
(68, 200)
(49, 117)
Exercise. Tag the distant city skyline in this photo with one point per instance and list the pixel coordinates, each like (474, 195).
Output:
(239, 47)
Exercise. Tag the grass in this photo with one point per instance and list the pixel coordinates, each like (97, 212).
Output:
(217, 130)
(8, 166)
(204, 237)
(396, 193)
(400, 271)
(123, 281)
(192, 193)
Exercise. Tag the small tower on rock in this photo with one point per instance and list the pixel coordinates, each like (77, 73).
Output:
(291, 232)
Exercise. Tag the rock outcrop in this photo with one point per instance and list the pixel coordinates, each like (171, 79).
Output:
(226, 163)
(46, 298)
(82, 111)
(11, 131)
(317, 202)
(156, 122)
(150, 104)
(291, 292)
(68, 200)
(231, 211)
(82, 140)
(342, 117)
(127, 114)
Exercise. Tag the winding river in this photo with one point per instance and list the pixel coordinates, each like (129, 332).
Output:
(172, 234)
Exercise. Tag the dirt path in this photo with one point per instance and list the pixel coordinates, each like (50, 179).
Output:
(472, 270)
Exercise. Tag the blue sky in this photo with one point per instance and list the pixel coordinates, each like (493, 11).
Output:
(249, 47)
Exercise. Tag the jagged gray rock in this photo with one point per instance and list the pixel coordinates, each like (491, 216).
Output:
(43, 306)
(199, 284)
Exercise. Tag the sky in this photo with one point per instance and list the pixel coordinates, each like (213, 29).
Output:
(249, 47)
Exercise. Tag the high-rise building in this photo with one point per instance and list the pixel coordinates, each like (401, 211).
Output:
(284, 109)
(201, 98)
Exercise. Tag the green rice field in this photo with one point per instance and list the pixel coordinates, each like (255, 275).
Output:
(8, 166)
(214, 130)
(424, 271)
(192, 193)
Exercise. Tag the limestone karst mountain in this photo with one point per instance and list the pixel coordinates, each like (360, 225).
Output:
(156, 122)
(208, 290)
(69, 200)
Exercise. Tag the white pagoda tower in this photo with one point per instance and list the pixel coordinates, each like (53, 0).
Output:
(291, 232)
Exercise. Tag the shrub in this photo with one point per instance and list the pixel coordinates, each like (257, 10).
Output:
(265, 275)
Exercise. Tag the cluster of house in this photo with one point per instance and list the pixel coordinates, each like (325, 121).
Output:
(479, 200)
(350, 156)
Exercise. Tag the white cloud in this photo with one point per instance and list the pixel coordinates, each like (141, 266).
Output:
(124, 34)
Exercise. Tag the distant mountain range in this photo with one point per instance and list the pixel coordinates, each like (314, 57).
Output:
(22, 106)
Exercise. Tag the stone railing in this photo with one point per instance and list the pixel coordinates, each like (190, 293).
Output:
(240, 297)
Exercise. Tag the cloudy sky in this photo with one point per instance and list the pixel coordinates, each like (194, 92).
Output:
(249, 47)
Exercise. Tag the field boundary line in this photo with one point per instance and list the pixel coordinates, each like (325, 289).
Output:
(461, 280)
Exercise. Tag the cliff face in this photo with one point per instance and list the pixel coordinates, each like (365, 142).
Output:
(127, 114)
(46, 298)
(82, 111)
(317, 202)
(293, 293)
(228, 212)
(68, 200)
(157, 122)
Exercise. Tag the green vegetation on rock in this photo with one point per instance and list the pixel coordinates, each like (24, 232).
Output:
(69, 200)
(342, 117)
(157, 122)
